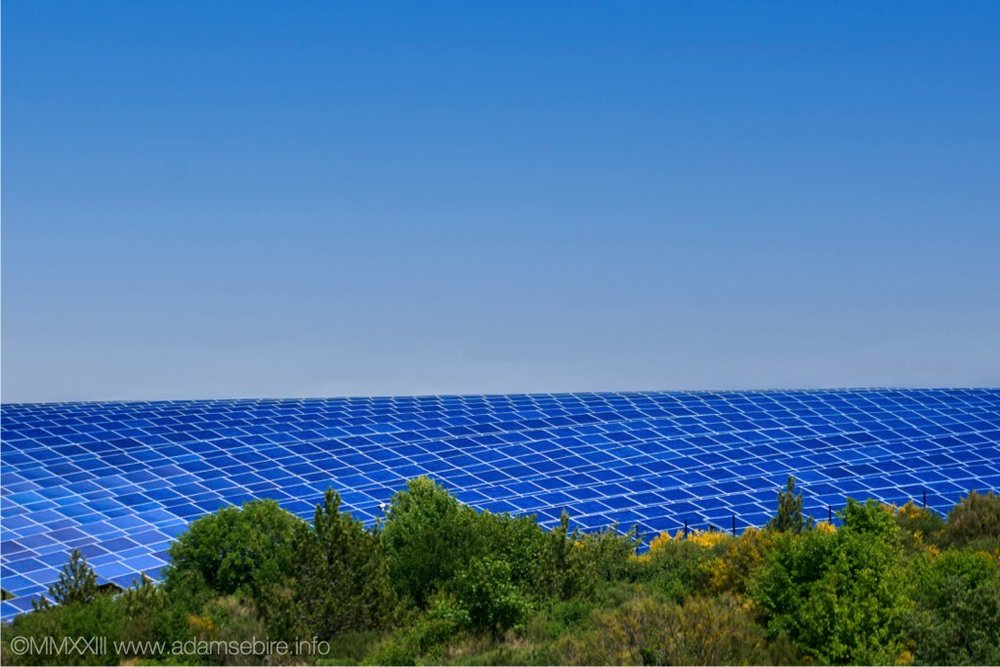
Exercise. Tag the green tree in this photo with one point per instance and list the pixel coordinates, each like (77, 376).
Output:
(342, 575)
(234, 551)
(974, 521)
(428, 536)
(485, 590)
(77, 583)
(789, 517)
(840, 596)
(959, 619)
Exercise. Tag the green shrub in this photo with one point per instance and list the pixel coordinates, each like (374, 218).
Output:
(918, 526)
(839, 595)
(341, 575)
(428, 536)
(101, 616)
(235, 551)
(486, 592)
(674, 566)
(518, 541)
(426, 636)
(650, 631)
(575, 563)
(959, 620)
(974, 521)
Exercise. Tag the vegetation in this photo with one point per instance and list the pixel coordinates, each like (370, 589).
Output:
(435, 582)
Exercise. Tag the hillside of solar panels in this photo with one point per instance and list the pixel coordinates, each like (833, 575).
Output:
(119, 481)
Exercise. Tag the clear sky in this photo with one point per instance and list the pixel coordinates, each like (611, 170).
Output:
(228, 199)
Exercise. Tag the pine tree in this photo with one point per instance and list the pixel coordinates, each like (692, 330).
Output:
(789, 517)
(77, 581)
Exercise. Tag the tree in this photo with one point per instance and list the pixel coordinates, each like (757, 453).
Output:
(234, 551)
(484, 589)
(342, 578)
(840, 596)
(77, 583)
(789, 517)
(428, 536)
(959, 620)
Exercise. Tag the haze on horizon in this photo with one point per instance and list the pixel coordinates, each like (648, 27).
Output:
(242, 199)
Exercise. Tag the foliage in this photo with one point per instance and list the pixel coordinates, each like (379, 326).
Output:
(341, 579)
(959, 595)
(97, 616)
(77, 583)
(425, 636)
(574, 563)
(235, 551)
(840, 596)
(485, 591)
(675, 566)
(789, 517)
(437, 582)
(974, 521)
(650, 631)
(427, 536)
(918, 526)
(735, 561)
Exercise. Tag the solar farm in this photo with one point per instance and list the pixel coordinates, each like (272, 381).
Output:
(119, 481)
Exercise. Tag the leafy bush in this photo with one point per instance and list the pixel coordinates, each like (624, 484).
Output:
(918, 526)
(518, 541)
(98, 617)
(341, 579)
(650, 631)
(840, 596)
(486, 592)
(425, 636)
(959, 622)
(675, 565)
(428, 536)
(575, 563)
(235, 550)
(735, 560)
(974, 521)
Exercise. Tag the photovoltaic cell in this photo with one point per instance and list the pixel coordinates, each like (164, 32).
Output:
(119, 481)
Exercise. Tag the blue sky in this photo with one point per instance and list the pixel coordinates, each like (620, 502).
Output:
(208, 199)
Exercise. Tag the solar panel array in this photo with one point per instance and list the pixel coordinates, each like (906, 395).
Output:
(119, 481)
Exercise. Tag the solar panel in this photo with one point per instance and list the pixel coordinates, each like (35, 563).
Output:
(119, 481)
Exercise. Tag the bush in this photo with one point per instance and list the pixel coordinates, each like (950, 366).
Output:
(650, 631)
(839, 595)
(425, 636)
(918, 526)
(341, 577)
(229, 619)
(100, 617)
(735, 560)
(974, 521)
(492, 601)
(428, 536)
(959, 623)
(676, 565)
(518, 541)
(235, 551)
(575, 563)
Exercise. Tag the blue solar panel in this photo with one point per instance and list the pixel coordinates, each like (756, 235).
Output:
(119, 481)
